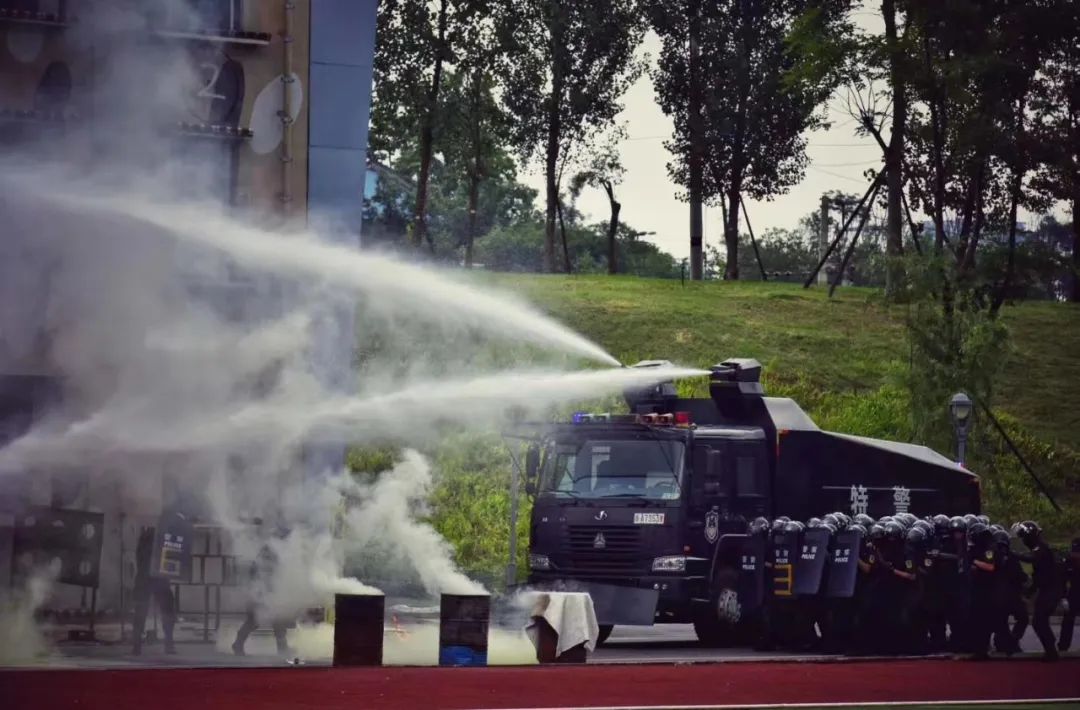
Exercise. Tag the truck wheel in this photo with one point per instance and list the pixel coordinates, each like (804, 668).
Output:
(717, 624)
(605, 631)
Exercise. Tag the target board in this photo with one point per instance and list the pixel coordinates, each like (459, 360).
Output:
(67, 542)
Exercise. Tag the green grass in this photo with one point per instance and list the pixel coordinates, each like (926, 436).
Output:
(850, 343)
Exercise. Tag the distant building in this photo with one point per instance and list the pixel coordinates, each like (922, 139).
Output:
(275, 123)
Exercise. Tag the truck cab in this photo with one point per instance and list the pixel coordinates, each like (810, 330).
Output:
(636, 509)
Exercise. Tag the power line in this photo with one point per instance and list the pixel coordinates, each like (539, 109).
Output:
(837, 175)
(849, 165)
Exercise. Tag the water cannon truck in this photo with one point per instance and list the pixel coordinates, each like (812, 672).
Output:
(636, 508)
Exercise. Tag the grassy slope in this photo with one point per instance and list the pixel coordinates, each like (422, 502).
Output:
(848, 343)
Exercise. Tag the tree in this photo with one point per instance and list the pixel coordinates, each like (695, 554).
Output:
(1057, 127)
(417, 44)
(477, 129)
(572, 63)
(605, 171)
(755, 106)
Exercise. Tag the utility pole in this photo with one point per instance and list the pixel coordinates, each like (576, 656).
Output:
(823, 239)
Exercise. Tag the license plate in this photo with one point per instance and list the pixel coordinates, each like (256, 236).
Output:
(648, 518)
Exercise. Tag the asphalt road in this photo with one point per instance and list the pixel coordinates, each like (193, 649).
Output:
(676, 643)
(411, 642)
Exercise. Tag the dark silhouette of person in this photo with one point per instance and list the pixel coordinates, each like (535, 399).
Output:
(260, 578)
(149, 587)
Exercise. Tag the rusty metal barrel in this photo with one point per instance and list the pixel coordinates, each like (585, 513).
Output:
(463, 629)
(358, 629)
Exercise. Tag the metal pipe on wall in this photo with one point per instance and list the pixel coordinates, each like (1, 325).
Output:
(286, 110)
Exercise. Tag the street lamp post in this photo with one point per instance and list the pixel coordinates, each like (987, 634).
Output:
(960, 409)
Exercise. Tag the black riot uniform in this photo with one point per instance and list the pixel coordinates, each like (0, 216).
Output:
(872, 624)
(1046, 583)
(919, 546)
(148, 587)
(955, 579)
(983, 589)
(1072, 596)
(770, 621)
(898, 590)
(934, 583)
(1009, 586)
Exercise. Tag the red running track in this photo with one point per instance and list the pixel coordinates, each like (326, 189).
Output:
(540, 687)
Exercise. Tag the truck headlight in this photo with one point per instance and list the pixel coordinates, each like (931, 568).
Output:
(540, 562)
(674, 563)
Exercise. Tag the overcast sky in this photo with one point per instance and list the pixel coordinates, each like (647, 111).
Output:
(837, 160)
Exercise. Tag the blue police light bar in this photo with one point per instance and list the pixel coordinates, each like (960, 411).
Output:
(579, 417)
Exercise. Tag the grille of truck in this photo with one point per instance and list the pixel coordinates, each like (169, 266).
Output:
(620, 552)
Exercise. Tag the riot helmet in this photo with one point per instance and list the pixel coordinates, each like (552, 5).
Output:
(1028, 531)
(785, 518)
(979, 532)
(830, 527)
(941, 522)
(906, 518)
(926, 527)
(1002, 537)
(858, 528)
(831, 519)
(957, 524)
(778, 525)
(759, 526)
(894, 530)
(844, 519)
(877, 531)
(984, 519)
(917, 535)
(813, 523)
(863, 519)
(970, 519)
(794, 526)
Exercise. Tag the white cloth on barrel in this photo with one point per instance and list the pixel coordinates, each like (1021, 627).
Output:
(570, 614)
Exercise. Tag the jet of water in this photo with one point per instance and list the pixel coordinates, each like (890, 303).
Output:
(307, 257)
(407, 414)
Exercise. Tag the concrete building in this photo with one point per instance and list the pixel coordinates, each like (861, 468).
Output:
(274, 123)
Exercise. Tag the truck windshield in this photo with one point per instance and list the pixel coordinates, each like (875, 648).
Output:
(620, 468)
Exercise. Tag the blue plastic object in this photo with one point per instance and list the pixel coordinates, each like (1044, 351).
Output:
(461, 656)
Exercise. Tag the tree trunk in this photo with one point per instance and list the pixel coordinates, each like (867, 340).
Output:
(1010, 264)
(476, 173)
(474, 199)
(613, 228)
(696, 163)
(894, 156)
(565, 246)
(554, 135)
(731, 234)
(1075, 295)
(427, 137)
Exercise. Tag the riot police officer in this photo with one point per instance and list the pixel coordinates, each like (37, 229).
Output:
(1011, 580)
(1072, 597)
(983, 589)
(917, 548)
(953, 556)
(898, 588)
(868, 618)
(1046, 583)
(935, 583)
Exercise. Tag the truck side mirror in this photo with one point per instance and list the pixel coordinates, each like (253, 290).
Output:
(532, 468)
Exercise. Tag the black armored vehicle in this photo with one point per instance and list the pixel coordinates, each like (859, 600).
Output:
(636, 508)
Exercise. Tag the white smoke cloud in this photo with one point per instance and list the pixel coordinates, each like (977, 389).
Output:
(21, 640)
(183, 337)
